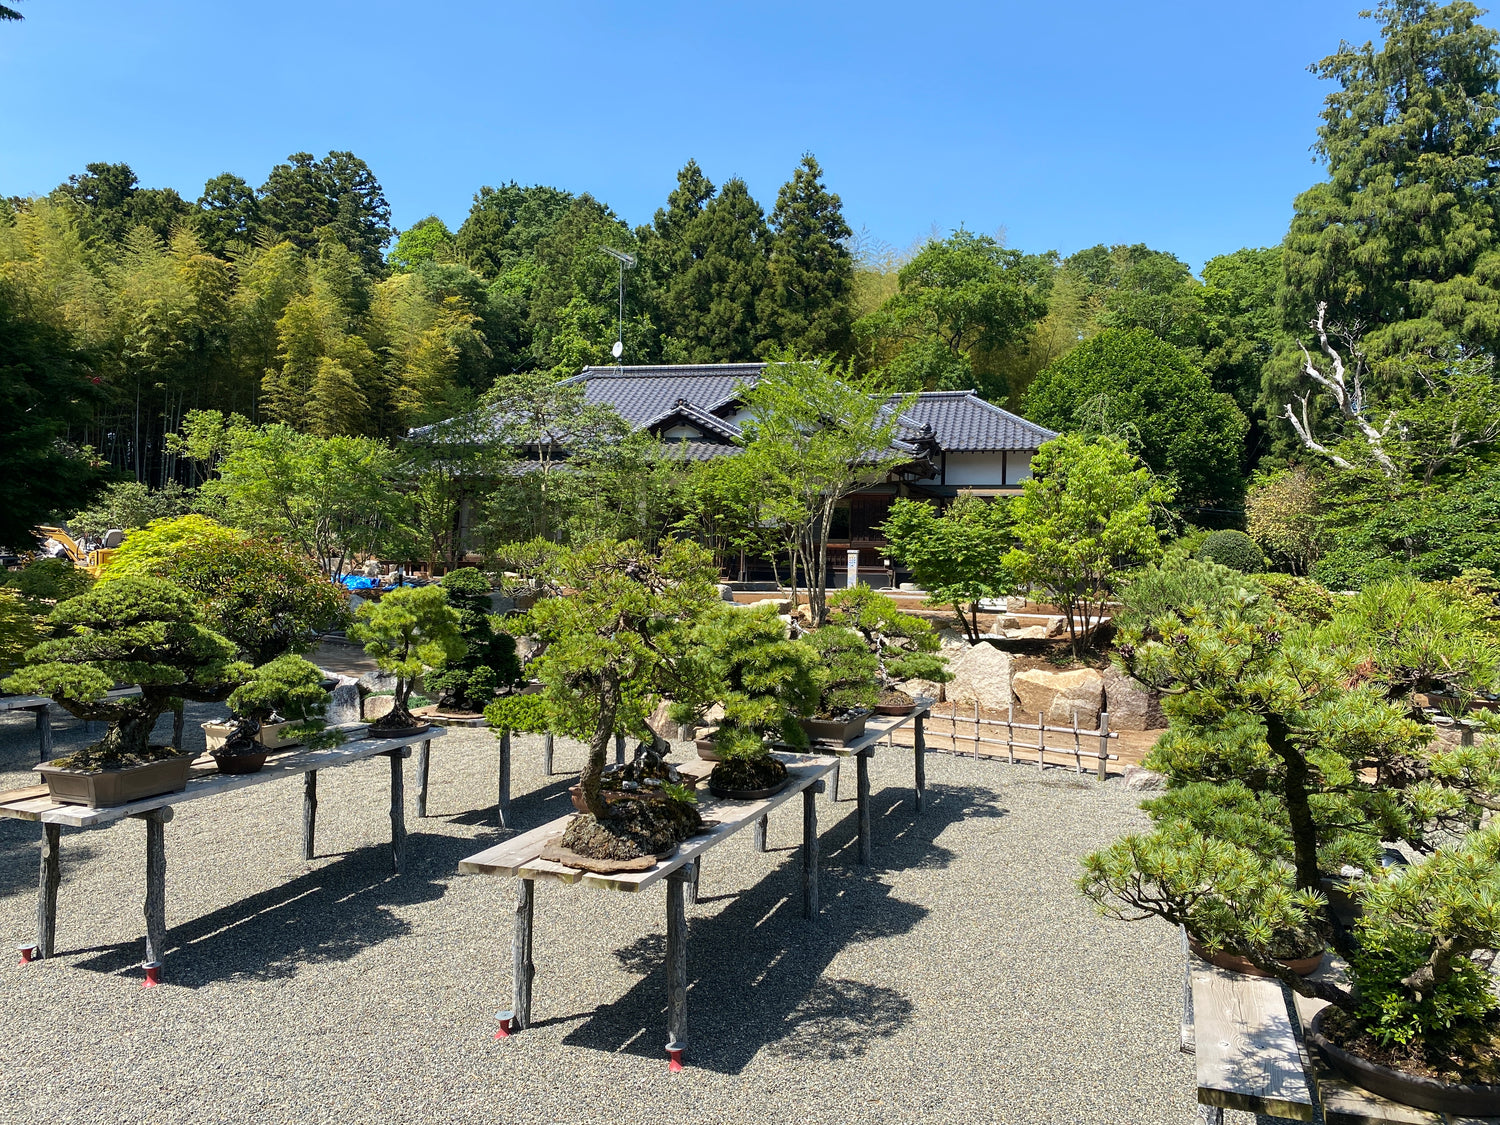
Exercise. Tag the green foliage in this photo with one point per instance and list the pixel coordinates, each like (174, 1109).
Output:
(743, 660)
(267, 600)
(489, 663)
(1233, 549)
(1299, 598)
(46, 581)
(807, 304)
(147, 551)
(615, 640)
(1082, 519)
(1179, 583)
(1283, 514)
(289, 687)
(406, 631)
(520, 712)
(18, 630)
(959, 556)
(308, 201)
(905, 647)
(1132, 384)
(141, 631)
(848, 672)
(128, 505)
(427, 241)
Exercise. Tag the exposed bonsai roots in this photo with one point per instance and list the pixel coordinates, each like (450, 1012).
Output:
(634, 827)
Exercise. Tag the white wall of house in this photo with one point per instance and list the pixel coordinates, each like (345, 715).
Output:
(986, 470)
(681, 431)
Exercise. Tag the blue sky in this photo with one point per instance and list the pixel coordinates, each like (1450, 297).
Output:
(1183, 125)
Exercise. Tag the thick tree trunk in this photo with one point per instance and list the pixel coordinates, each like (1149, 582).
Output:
(593, 771)
(1299, 809)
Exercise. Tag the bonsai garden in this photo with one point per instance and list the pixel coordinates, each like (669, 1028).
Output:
(726, 668)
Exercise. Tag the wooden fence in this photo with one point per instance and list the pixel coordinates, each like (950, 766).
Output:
(1067, 745)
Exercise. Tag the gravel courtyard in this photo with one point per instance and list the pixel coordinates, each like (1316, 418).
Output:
(958, 979)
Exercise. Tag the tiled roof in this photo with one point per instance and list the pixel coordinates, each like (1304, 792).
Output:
(684, 409)
(647, 394)
(963, 422)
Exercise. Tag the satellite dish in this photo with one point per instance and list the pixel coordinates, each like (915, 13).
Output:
(618, 350)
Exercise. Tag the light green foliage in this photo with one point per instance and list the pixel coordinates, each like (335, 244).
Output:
(488, 663)
(1292, 751)
(264, 598)
(957, 299)
(1233, 549)
(905, 647)
(1180, 582)
(816, 432)
(130, 504)
(427, 240)
(743, 660)
(18, 630)
(44, 582)
(407, 631)
(725, 505)
(615, 640)
(525, 569)
(1299, 598)
(133, 631)
(1132, 384)
(147, 550)
(848, 673)
(520, 712)
(1082, 519)
(1283, 514)
(959, 555)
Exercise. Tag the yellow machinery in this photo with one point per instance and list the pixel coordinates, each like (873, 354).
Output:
(92, 561)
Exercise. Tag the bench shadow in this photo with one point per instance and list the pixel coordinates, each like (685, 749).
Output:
(756, 969)
(329, 914)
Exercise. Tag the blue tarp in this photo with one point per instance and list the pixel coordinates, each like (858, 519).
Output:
(358, 582)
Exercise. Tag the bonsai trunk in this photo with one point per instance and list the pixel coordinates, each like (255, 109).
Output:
(1299, 810)
(130, 733)
(593, 772)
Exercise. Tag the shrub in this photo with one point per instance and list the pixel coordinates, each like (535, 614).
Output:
(288, 689)
(406, 631)
(488, 663)
(1233, 549)
(18, 631)
(45, 582)
(146, 551)
(1301, 598)
(1179, 582)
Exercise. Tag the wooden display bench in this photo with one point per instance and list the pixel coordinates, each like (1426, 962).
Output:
(1251, 1059)
(520, 858)
(40, 707)
(34, 804)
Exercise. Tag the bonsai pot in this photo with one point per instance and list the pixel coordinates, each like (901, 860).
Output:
(846, 729)
(706, 750)
(216, 734)
(748, 794)
(890, 703)
(105, 788)
(378, 731)
(1458, 1099)
(271, 737)
(1302, 966)
(239, 763)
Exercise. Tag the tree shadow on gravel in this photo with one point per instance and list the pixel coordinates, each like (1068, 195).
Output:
(755, 969)
(329, 914)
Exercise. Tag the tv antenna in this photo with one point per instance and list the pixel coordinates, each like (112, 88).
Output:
(627, 262)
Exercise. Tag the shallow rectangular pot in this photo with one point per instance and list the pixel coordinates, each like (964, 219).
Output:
(105, 788)
(270, 736)
(836, 730)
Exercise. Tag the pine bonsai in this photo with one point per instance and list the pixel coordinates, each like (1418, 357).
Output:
(1295, 752)
(407, 631)
(488, 664)
(846, 674)
(287, 689)
(906, 647)
(132, 631)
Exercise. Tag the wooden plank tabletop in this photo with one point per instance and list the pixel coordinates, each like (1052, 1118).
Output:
(1247, 1053)
(877, 729)
(519, 857)
(23, 702)
(206, 781)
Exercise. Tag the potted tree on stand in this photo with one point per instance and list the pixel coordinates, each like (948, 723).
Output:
(846, 685)
(1294, 752)
(905, 647)
(406, 631)
(280, 705)
(142, 631)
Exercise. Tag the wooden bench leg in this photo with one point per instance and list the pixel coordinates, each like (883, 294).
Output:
(676, 968)
(398, 812)
(862, 772)
(522, 970)
(760, 833)
(695, 869)
(833, 782)
(809, 853)
(423, 755)
(309, 813)
(46, 896)
(919, 741)
(547, 748)
(619, 749)
(502, 802)
(177, 719)
(44, 733)
(156, 883)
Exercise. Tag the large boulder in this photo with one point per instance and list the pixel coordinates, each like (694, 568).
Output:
(1131, 705)
(951, 638)
(1060, 694)
(981, 674)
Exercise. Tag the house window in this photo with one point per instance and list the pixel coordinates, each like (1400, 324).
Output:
(838, 528)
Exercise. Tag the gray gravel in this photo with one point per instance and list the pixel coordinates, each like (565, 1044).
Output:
(960, 979)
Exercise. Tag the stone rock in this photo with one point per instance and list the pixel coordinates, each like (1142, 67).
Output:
(1029, 633)
(377, 681)
(726, 592)
(981, 674)
(343, 702)
(1131, 705)
(952, 638)
(1060, 695)
(1009, 621)
(1138, 779)
(378, 706)
(1056, 626)
(928, 688)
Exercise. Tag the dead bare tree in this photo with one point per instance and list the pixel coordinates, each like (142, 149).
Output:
(1344, 383)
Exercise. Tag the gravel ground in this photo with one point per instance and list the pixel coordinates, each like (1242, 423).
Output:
(958, 979)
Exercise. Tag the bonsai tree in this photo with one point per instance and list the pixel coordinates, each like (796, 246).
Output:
(905, 646)
(616, 642)
(846, 672)
(135, 631)
(959, 556)
(287, 689)
(406, 631)
(45, 582)
(1294, 753)
(469, 682)
(743, 660)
